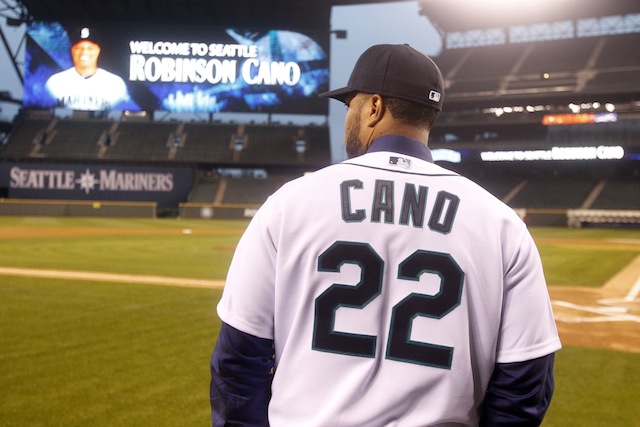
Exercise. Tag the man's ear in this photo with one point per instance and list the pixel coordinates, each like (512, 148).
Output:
(376, 109)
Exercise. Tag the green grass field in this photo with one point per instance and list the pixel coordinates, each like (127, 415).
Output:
(83, 353)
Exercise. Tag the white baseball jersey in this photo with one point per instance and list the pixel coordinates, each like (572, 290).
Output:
(101, 91)
(391, 287)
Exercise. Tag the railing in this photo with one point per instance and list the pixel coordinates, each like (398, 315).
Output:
(576, 218)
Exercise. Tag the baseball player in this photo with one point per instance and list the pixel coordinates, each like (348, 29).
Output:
(385, 290)
(85, 86)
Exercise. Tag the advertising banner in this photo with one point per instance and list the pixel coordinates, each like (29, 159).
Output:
(166, 186)
(176, 69)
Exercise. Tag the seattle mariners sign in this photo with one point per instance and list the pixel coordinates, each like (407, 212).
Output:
(165, 186)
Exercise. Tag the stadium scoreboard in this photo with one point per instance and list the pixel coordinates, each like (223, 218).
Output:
(190, 69)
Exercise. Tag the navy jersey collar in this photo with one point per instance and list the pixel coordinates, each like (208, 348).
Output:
(402, 145)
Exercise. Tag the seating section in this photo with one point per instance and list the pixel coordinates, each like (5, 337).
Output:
(278, 146)
(500, 187)
(558, 56)
(22, 140)
(75, 139)
(488, 61)
(195, 143)
(141, 141)
(621, 194)
(545, 193)
(249, 190)
(614, 80)
(205, 190)
(619, 51)
(205, 141)
(624, 133)
(548, 193)
(579, 189)
(606, 64)
(507, 135)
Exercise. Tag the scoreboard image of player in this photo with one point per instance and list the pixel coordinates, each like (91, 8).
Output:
(180, 69)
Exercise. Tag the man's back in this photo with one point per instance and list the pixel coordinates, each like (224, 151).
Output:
(389, 277)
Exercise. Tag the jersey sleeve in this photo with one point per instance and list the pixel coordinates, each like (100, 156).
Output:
(528, 329)
(247, 301)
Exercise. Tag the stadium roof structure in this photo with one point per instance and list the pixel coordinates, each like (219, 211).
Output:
(258, 13)
(462, 15)
(537, 52)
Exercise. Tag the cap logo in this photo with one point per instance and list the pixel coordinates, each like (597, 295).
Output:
(85, 33)
(434, 96)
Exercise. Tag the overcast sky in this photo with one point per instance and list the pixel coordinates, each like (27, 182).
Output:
(366, 25)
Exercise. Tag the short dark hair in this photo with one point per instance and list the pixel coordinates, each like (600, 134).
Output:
(411, 113)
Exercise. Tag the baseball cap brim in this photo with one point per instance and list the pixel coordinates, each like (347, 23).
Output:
(339, 94)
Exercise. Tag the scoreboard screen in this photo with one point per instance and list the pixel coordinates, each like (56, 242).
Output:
(175, 69)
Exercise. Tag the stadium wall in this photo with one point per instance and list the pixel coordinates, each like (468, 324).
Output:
(164, 186)
(217, 211)
(26, 207)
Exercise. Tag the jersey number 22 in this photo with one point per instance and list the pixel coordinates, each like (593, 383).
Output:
(400, 347)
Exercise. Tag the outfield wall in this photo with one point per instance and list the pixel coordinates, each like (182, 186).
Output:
(577, 218)
(217, 211)
(573, 218)
(164, 186)
(27, 207)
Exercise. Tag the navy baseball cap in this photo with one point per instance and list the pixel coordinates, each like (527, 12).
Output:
(85, 33)
(395, 71)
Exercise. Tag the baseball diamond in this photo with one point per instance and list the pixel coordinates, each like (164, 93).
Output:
(217, 213)
(589, 318)
(605, 317)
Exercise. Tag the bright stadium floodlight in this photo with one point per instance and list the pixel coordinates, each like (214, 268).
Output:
(499, 13)
(516, 6)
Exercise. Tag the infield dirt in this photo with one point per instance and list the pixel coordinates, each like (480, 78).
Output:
(597, 318)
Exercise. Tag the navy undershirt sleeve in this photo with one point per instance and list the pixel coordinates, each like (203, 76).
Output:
(241, 373)
(519, 393)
